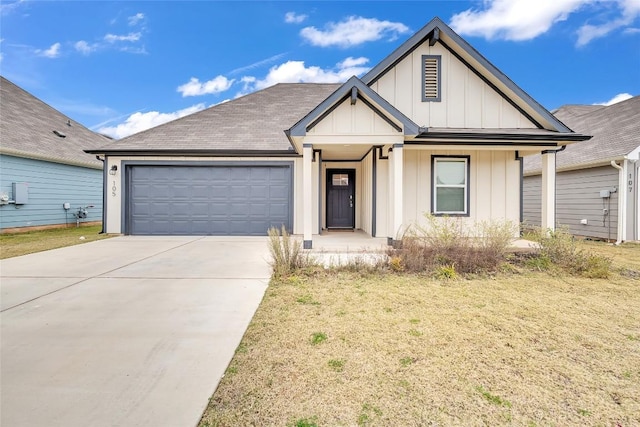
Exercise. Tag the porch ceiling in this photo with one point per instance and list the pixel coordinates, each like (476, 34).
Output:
(343, 151)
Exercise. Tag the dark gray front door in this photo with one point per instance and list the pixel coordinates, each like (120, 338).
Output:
(341, 212)
(242, 200)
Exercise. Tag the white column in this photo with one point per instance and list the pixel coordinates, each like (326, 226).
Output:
(307, 195)
(398, 185)
(548, 221)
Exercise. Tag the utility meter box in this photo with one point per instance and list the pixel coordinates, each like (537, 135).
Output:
(20, 192)
(605, 194)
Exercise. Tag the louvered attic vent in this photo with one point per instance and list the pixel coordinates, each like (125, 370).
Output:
(431, 78)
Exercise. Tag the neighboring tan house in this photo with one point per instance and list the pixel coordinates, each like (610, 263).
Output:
(597, 180)
(433, 128)
(43, 165)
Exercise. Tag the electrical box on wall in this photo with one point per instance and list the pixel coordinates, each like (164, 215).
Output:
(20, 192)
(605, 194)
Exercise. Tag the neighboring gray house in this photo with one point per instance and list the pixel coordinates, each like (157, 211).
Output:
(597, 180)
(43, 167)
(433, 128)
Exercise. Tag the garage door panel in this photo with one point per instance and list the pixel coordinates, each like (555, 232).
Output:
(208, 200)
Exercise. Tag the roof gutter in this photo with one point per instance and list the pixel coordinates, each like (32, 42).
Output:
(622, 200)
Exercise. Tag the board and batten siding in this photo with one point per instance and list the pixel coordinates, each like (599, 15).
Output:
(465, 100)
(578, 198)
(357, 119)
(494, 185)
(50, 185)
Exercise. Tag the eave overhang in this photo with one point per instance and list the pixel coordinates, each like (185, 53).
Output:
(193, 152)
(487, 135)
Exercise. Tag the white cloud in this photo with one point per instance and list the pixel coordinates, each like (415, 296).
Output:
(618, 98)
(137, 122)
(133, 20)
(85, 48)
(131, 37)
(294, 18)
(195, 88)
(631, 30)
(630, 11)
(518, 20)
(297, 72)
(352, 32)
(514, 19)
(52, 52)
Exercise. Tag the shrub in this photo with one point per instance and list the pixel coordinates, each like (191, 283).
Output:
(287, 255)
(447, 246)
(559, 249)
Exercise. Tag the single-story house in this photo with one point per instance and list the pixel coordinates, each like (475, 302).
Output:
(45, 176)
(597, 181)
(433, 128)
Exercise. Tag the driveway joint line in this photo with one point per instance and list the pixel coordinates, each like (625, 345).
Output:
(96, 276)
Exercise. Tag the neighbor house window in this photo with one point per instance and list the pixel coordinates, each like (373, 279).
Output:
(450, 192)
(431, 78)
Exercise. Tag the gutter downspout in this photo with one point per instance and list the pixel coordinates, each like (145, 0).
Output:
(104, 193)
(622, 200)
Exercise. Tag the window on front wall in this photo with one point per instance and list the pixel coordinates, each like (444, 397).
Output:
(450, 182)
(431, 78)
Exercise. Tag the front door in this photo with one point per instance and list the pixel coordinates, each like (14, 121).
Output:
(341, 210)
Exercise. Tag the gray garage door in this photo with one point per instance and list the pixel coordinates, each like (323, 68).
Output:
(242, 200)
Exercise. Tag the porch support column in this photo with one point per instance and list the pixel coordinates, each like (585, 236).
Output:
(548, 221)
(397, 211)
(307, 196)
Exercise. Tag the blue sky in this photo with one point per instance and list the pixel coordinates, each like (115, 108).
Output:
(121, 67)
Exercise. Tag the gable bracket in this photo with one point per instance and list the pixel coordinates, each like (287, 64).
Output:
(494, 87)
(354, 95)
(435, 36)
(379, 113)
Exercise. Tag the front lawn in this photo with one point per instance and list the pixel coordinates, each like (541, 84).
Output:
(16, 244)
(521, 348)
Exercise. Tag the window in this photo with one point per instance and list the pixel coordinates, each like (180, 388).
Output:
(450, 192)
(431, 78)
(340, 179)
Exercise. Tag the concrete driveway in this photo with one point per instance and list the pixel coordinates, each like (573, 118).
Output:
(128, 331)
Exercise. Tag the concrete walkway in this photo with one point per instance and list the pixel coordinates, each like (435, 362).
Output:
(128, 331)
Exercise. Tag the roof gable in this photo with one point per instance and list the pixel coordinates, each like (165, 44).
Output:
(355, 89)
(28, 128)
(436, 31)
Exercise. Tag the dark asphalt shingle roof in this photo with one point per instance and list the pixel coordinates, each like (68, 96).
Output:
(27, 125)
(252, 122)
(615, 130)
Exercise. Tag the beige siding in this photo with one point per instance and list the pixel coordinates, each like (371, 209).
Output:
(466, 100)
(349, 119)
(493, 185)
(578, 198)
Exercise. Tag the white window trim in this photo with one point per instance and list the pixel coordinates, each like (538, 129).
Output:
(435, 185)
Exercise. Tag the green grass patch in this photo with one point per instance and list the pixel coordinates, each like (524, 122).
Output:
(17, 244)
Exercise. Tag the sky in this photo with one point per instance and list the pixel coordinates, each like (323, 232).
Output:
(119, 67)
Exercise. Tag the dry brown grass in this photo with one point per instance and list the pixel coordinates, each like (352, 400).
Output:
(23, 243)
(527, 349)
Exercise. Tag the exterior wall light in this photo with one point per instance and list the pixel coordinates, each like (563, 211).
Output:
(113, 170)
